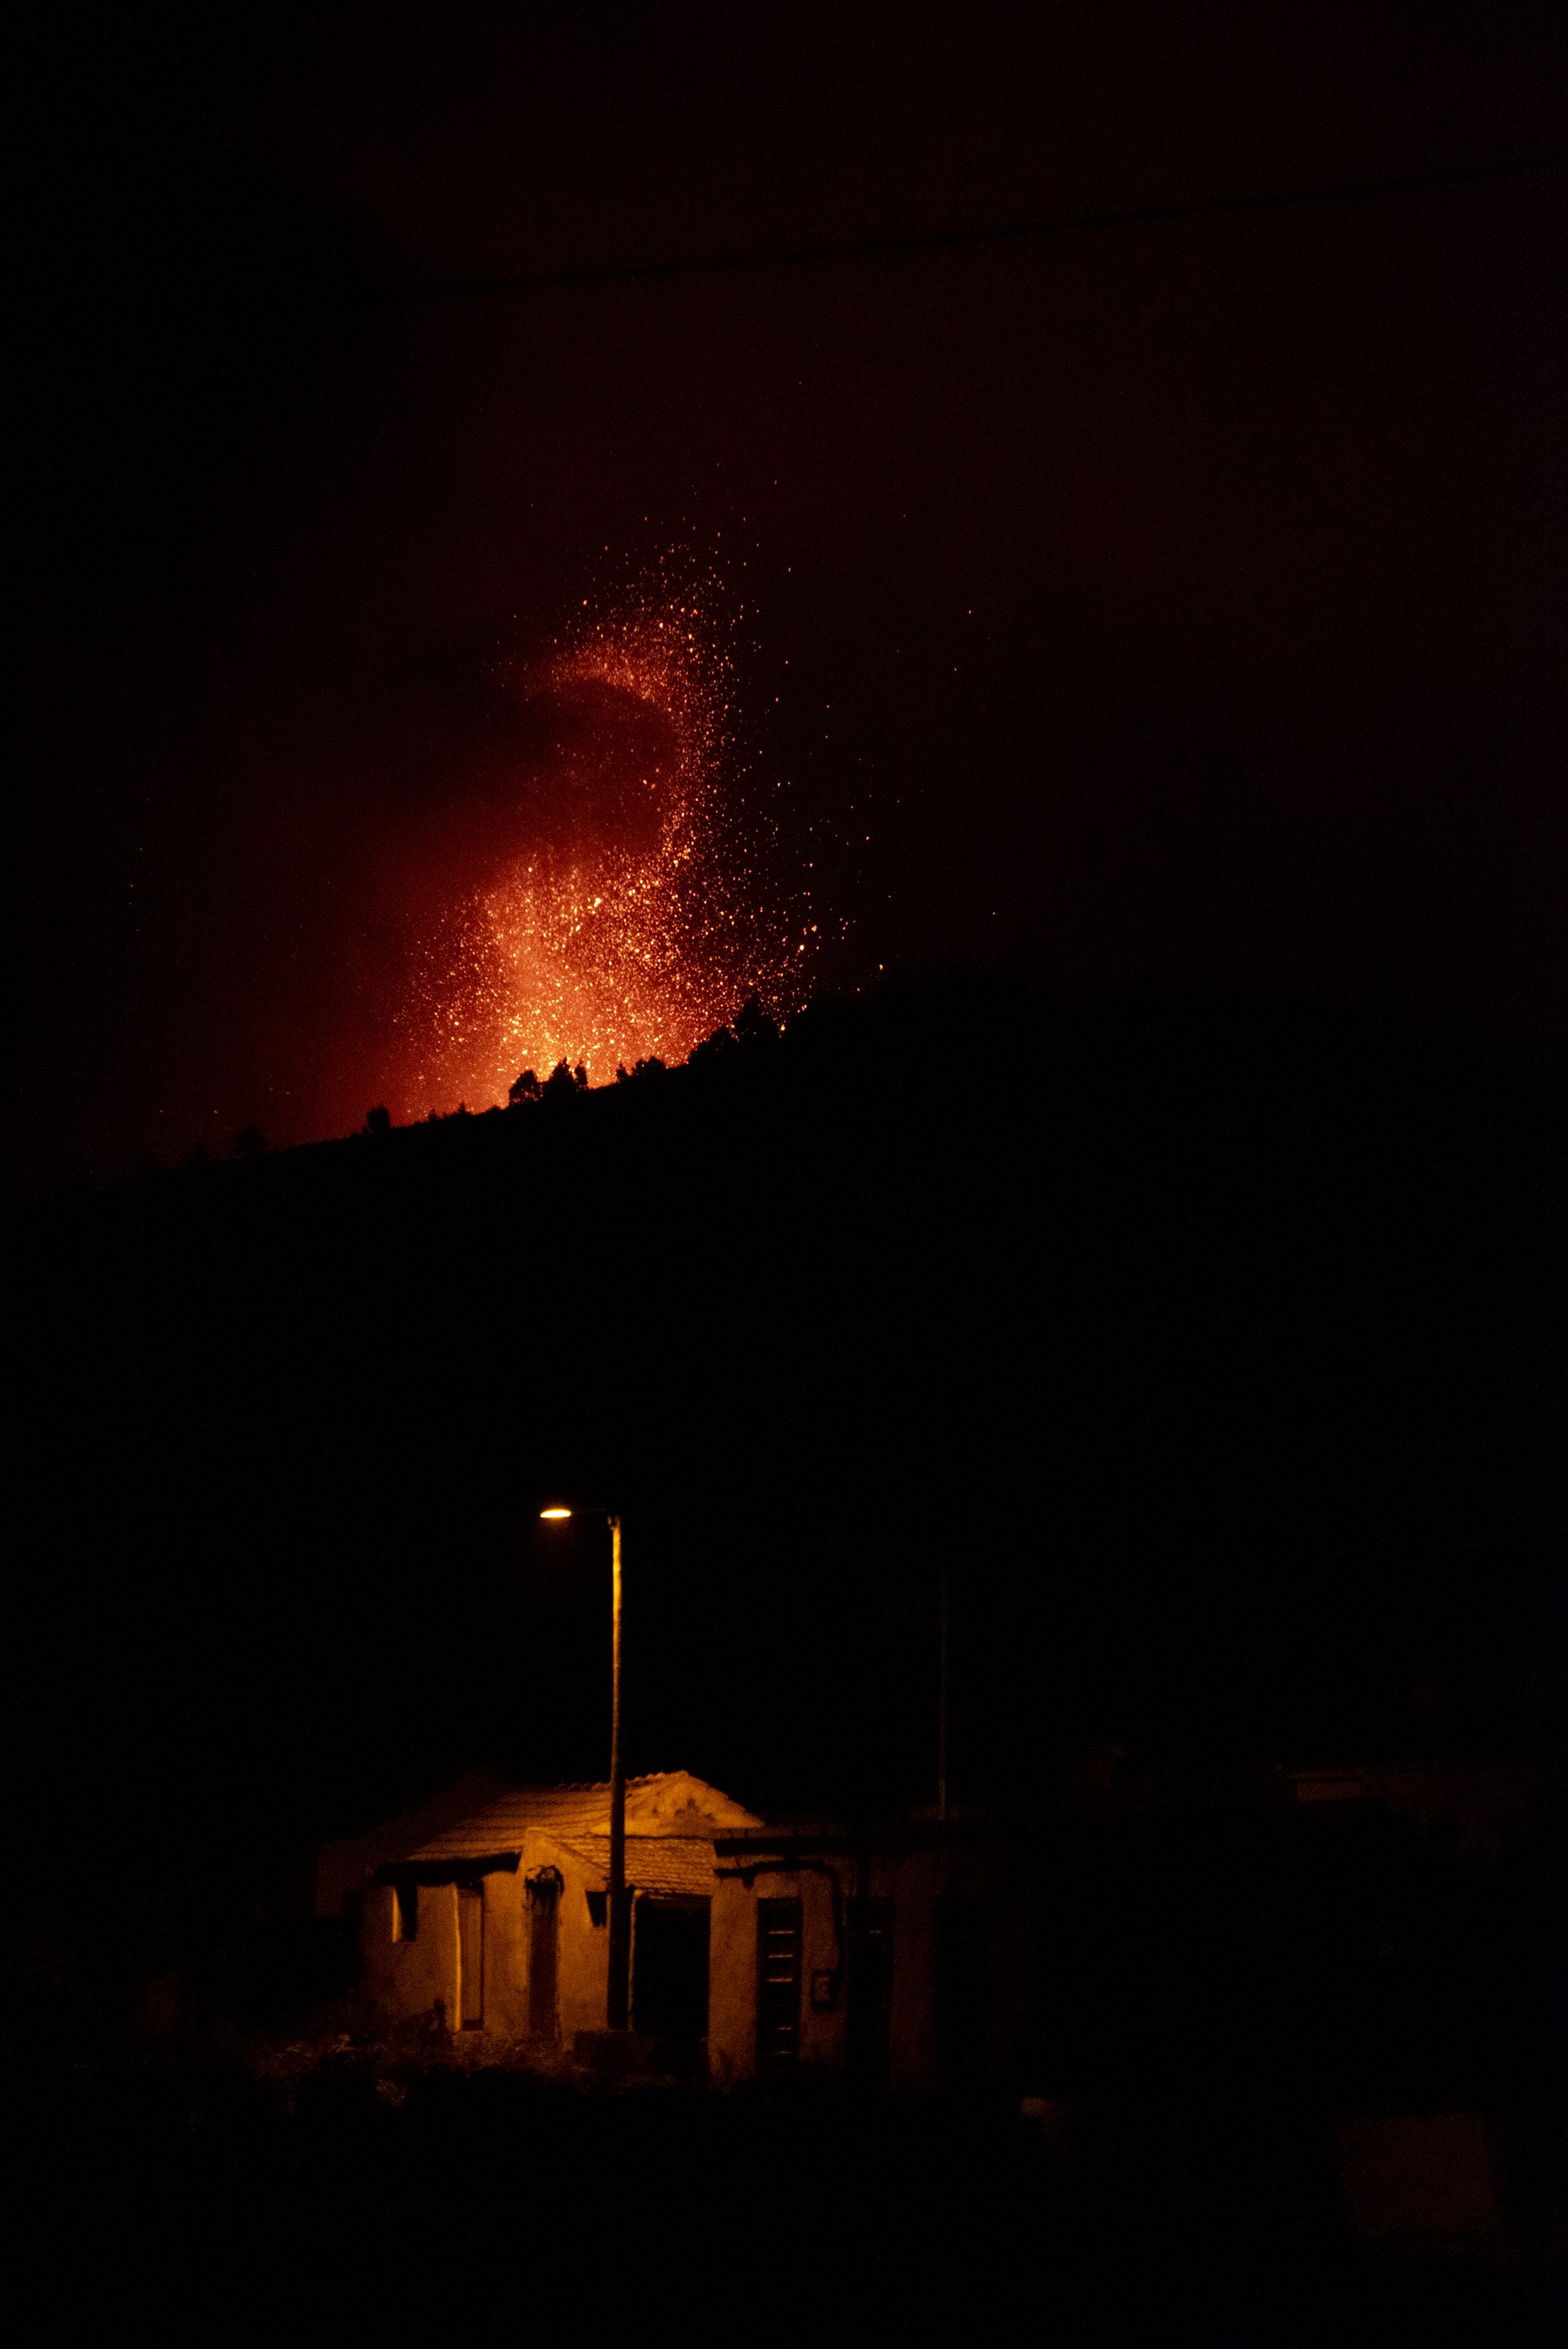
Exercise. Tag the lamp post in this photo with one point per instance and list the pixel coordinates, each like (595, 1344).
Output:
(618, 2001)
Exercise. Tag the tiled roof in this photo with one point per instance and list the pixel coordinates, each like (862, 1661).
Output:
(668, 1804)
(344, 1865)
(681, 1864)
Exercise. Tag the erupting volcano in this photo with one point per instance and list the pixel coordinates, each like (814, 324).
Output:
(626, 919)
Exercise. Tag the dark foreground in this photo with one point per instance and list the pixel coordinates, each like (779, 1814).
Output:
(182, 2204)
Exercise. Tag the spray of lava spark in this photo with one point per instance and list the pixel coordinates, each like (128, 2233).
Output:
(627, 921)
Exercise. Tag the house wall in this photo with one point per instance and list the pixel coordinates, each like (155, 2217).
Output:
(732, 1971)
(582, 1975)
(915, 1882)
(403, 1979)
(505, 1951)
(822, 2027)
(910, 1884)
(732, 1983)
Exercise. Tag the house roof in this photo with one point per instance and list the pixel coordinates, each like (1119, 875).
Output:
(343, 1864)
(669, 1864)
(668, 1804)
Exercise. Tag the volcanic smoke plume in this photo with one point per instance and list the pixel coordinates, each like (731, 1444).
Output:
(628, 920)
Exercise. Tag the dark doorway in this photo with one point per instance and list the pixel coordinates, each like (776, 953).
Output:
(669, 1969)
(471, 1955)
(777, 1984)
(543, 1948)
(867, 1990)
(961, 1954)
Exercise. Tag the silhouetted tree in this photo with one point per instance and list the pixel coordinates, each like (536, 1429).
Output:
(378, 1121)
(250, 1142)
(524, 1090)
(711, 1048)
(559, 1084)
(753, 1025)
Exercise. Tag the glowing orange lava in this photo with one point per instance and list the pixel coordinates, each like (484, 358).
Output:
(627, 925)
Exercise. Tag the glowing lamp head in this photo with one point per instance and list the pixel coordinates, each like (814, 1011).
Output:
(555, 1514)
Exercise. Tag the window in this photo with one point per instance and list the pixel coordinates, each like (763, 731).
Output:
(405, 1912)
(777, 1983)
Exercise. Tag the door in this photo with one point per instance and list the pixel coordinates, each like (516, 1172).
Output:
(471, 1955)
(669, 1969)
(543, 1953)
(777, 1984)
(867, 1990)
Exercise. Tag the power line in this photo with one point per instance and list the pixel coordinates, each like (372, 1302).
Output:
(876, 248)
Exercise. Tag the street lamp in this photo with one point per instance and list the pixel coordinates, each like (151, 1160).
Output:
(619, 2000)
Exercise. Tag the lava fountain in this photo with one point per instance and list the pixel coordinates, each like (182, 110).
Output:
(625, 920)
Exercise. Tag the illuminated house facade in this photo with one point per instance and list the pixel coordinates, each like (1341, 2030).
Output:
(496, 1922)
(899, 1960)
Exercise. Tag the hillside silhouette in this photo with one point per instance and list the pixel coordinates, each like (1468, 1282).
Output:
(1165, 1331)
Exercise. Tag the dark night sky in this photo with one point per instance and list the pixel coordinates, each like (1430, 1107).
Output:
(1174, 603)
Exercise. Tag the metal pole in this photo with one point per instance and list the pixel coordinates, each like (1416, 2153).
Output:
(618, 2003)
(942, 1711)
